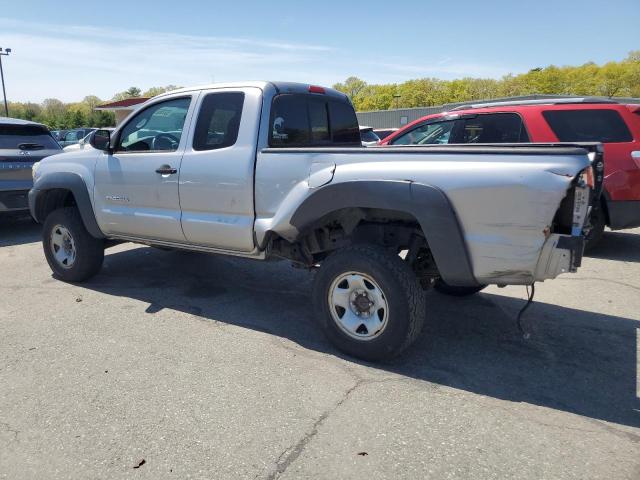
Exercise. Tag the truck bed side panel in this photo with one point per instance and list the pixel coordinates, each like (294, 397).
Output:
(504, 199)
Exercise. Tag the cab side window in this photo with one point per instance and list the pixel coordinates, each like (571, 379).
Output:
(434, 133)
(493, 128)
(157, 128)
(219, 121)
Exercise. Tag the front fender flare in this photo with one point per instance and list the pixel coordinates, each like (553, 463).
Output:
(427, 203)
(66, 181)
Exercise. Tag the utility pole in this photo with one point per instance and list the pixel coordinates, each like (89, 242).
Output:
(6, 52)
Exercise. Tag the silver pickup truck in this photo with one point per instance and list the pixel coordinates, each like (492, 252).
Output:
(276, 171)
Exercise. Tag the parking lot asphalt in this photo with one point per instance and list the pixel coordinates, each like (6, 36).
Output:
(181, 365)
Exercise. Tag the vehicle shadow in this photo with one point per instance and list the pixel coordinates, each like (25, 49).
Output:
(17, 230)
(620, 246)
(577, 361)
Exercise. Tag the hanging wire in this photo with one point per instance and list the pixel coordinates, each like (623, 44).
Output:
(525, 333)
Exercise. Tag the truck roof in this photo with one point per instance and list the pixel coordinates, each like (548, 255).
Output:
(280, 87)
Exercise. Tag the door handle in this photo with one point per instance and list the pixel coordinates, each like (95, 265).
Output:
(166, 170)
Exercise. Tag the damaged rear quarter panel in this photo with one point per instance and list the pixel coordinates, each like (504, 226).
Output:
(503, 202)
(505, 223)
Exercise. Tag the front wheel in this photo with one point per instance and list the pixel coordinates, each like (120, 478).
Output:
(369, 303)
(71, 252)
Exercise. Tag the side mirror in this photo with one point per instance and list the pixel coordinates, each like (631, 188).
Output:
(101, 140)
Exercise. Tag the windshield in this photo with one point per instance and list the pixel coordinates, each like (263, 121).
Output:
(26, 137)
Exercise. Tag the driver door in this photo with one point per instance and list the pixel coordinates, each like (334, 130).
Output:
(136, 187)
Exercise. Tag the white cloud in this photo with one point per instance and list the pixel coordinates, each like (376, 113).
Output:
(71, 61)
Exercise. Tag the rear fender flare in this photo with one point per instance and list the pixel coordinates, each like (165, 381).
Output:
(428, 204)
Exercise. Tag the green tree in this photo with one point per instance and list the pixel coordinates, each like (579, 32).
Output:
(131, 92)
(612, 79)
(153, 91)
(352, 86)
(91, 101)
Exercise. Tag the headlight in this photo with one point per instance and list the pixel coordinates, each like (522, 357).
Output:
(34, 170)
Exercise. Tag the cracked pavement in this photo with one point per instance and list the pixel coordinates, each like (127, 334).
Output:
(211, 367)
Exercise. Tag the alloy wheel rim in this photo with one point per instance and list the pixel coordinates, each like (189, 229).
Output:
(358, 305)
(63, 246)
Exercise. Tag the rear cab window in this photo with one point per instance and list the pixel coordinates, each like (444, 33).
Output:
(597, 125)
(26, 137)
(300, 120)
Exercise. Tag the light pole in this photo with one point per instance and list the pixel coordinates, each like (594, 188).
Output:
(6, 52)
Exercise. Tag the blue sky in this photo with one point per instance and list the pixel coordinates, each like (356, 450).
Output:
(71, 49)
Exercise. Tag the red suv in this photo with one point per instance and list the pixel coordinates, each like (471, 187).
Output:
(616, 125)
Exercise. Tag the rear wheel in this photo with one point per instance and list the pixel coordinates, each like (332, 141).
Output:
(369, 303)
(71, 252)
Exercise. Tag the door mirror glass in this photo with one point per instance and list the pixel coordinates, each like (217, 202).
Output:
(101, 140)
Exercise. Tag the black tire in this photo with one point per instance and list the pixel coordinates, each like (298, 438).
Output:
(598, 222)
(89, 251)
(442, 287)
(402, 293)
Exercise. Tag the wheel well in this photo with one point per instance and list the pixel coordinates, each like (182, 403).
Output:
(52, 200)
(395, 230)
